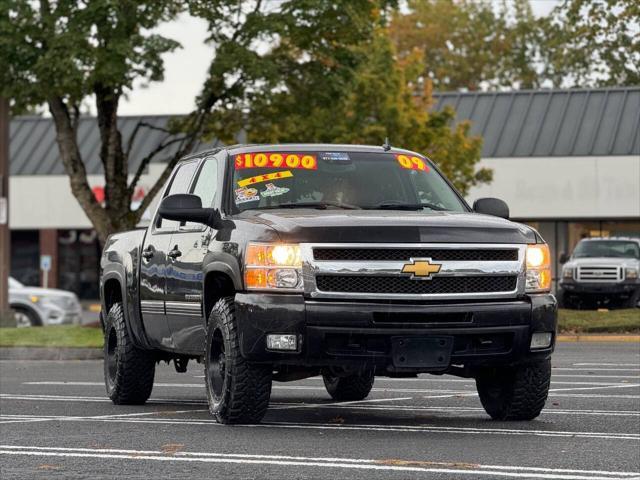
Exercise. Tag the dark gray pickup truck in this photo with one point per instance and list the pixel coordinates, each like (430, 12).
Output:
(280, 262)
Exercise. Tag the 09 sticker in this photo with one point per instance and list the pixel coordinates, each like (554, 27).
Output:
(276, 160)
(412, 162)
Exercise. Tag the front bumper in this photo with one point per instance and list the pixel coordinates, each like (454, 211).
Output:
(359, 333)
(595, 288)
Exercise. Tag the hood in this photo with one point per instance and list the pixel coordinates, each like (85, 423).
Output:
(44, 292)
(393, 226)
(603, 262)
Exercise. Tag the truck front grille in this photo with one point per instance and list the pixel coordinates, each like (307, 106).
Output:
(405, 285)
(403, 254)
(378, 271)
(599, 274)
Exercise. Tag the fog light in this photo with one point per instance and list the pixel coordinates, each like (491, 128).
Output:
(282, 342)
(541, 340)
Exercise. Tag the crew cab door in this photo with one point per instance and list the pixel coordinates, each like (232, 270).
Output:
(188, 247)
(154, 262)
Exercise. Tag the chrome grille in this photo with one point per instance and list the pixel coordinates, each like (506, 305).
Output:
(374, 271)
(599, 274)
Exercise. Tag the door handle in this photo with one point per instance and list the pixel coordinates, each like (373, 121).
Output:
(148, 252)
(175, 253)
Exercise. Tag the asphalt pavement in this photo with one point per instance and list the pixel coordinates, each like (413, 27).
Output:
(56, 422)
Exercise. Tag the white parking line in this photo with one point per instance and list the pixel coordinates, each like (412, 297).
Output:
(358, 405)
(306, 387)
(361, 427)
(390, 465)
(454, 409)
(607, 364)
(612, 369)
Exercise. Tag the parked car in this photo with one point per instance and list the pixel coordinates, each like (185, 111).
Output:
(601, 271)
(35, 306)
(282, 262)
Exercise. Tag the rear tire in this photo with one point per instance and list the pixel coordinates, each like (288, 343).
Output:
(515, 394)
(237, 391)
(128, 370)
(350, 388)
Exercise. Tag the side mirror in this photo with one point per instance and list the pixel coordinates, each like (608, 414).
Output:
(491, 206)
(564, 258)
(184, 207)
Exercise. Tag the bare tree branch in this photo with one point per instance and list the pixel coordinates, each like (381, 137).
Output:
(147, 159)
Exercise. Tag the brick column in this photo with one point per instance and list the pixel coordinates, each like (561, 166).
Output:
(49, 246)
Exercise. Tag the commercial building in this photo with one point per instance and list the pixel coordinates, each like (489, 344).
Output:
(566, 162)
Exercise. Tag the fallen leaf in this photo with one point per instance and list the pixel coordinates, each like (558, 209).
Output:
(172, 448)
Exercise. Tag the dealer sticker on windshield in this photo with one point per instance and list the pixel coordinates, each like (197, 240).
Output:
(334, 156)
(264, 178)
(273, 190)
(244, 195)
(276, 160)
(412, 162)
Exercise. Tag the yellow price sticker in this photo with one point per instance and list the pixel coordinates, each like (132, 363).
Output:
(264, 178)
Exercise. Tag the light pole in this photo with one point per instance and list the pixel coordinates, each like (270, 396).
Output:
(5, 239)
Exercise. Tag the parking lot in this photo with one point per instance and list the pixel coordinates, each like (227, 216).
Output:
(57, 423)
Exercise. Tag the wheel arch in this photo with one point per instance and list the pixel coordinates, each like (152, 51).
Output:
(28, 308)
(219, 281)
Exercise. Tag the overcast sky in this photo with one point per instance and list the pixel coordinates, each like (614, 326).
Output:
(185, 68)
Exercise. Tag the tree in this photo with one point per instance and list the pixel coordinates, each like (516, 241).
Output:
(593, 43)
(466, 44)
(378, 101)
(60, 53)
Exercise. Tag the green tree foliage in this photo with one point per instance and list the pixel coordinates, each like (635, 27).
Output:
(376, 102)
(593, 43)
(61, 53)
(467, 44)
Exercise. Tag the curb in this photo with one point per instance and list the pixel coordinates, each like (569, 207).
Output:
(598, 338)
(39, 353)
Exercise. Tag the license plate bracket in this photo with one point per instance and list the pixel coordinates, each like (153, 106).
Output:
(421, 352)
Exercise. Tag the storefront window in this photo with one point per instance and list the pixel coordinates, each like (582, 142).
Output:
(79, 262)
(25, 256)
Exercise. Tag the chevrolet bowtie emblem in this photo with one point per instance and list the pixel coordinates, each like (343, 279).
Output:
(421, 269)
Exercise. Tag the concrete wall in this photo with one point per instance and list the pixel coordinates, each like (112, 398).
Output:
(565, 187)
(45, 201)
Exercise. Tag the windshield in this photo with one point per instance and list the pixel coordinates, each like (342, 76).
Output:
(607, 248)
(343, 180)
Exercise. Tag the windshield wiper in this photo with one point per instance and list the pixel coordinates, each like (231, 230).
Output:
(316, 205)
(404, 206)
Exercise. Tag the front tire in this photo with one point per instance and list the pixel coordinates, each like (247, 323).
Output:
(237, 391)
(128, 370)
(25, 317)
(349, 388)
(634, 300)
(515, 394)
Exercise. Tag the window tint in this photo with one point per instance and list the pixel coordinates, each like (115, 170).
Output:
(179, 184)
(205, 186)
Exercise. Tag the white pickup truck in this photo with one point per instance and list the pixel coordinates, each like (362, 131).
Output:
(601, 271)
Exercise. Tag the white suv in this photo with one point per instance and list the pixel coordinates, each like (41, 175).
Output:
(601, 270)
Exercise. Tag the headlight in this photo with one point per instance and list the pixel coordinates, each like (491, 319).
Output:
(538, 276)
(567, 272)
(34, 298)
(632, 273)
(273, 267)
